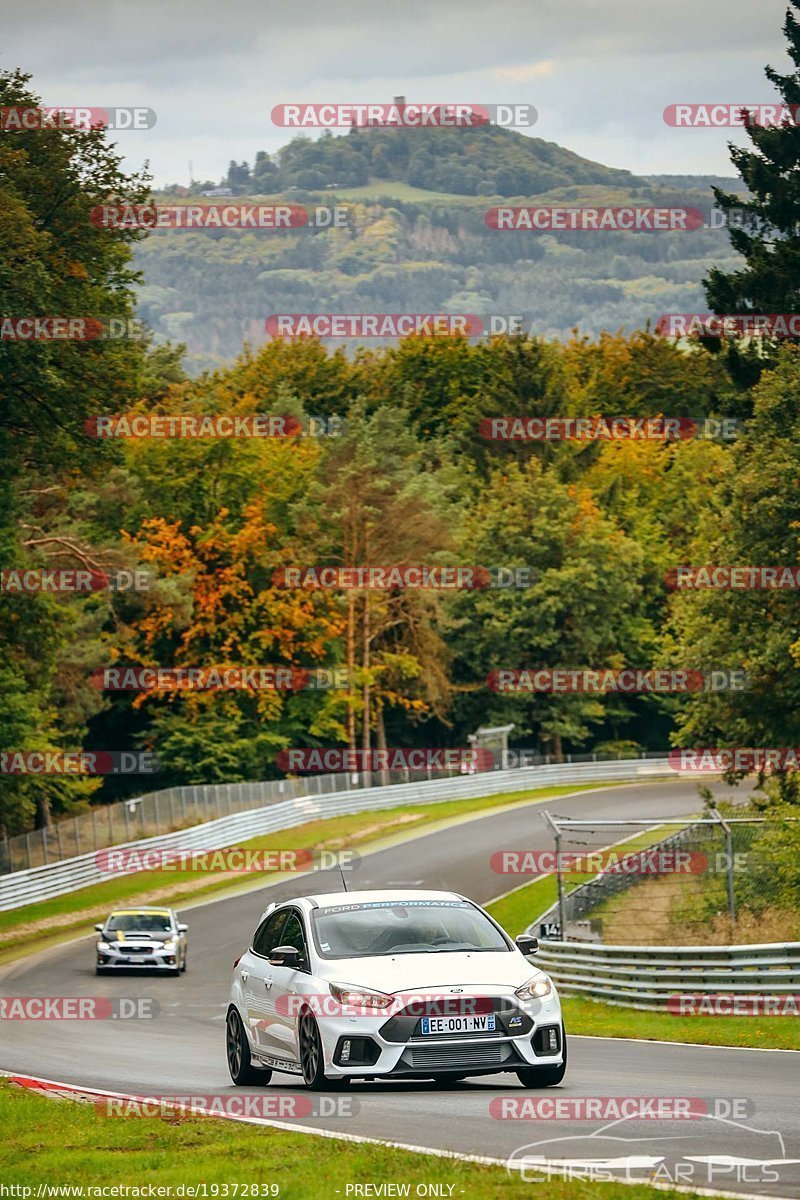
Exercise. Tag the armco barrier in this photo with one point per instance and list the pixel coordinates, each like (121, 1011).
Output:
(69, 875)
(648, 976)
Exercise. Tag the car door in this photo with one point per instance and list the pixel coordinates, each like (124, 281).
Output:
(256, 976)
(286, 983)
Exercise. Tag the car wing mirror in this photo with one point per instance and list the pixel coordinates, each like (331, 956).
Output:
(286, 956)
(527, 944)
(182, 928)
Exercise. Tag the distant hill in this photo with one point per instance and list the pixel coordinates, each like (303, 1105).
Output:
(702, 182)
(416, 241)
(484, 161)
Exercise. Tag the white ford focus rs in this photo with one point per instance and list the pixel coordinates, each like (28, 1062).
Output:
(390, 984)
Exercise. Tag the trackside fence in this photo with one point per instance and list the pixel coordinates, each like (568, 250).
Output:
(284, 804)
(653, 977)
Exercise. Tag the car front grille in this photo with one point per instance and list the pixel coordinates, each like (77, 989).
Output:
(455, 1058)
(135, 949)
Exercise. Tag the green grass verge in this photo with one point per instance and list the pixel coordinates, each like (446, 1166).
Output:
(47, 1142)
(594, 1017)
(35, 925)
(598, 1019)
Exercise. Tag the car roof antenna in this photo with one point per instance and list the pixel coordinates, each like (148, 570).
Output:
(344, 881)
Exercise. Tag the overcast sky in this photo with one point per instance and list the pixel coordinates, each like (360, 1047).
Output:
(599, 72)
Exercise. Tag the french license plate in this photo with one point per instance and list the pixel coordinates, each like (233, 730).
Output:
(470, 1024)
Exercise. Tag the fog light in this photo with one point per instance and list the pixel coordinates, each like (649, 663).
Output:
(552, 1039)
(170, 958)
(345, 1054)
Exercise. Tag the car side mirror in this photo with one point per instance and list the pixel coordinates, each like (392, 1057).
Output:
(286, 956)
(527, 944)
(182, 928)
(99, 928)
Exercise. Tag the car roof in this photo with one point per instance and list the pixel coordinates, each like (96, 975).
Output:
(328, 899)
(137, 912)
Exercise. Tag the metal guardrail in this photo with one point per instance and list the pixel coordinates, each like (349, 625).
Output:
(154, 813)
(56, 879)
(648, 977)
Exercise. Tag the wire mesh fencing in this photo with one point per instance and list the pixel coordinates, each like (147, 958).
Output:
(712, 881)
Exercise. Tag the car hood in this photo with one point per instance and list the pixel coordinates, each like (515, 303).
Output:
(403, 972)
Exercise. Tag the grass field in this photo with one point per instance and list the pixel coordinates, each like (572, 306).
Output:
(61, 1143)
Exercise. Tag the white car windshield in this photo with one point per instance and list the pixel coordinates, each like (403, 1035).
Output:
(140, 923)
(404, 927)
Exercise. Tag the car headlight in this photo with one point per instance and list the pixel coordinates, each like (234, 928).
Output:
(535, 989)
(169, 944)
(356, 997)
(103, 946)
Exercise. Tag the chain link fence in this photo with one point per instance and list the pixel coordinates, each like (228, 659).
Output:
(712, 882)
(172, 809)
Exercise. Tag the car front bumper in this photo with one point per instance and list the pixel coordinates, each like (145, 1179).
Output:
(152, 958)
(368, 1047)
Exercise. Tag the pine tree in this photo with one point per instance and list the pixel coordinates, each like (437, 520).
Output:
(769, 235)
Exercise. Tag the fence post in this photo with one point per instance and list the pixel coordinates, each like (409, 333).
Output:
(729, 867)
(28, 848)
(94, 827)
(562, 908)
(58, 841)
(77, 836)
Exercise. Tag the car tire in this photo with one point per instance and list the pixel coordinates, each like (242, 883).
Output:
(312, 1058)
(183, 964)
(237, 1052)
(540, 1077)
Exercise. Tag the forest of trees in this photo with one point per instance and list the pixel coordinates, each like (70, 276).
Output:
(409, 478)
